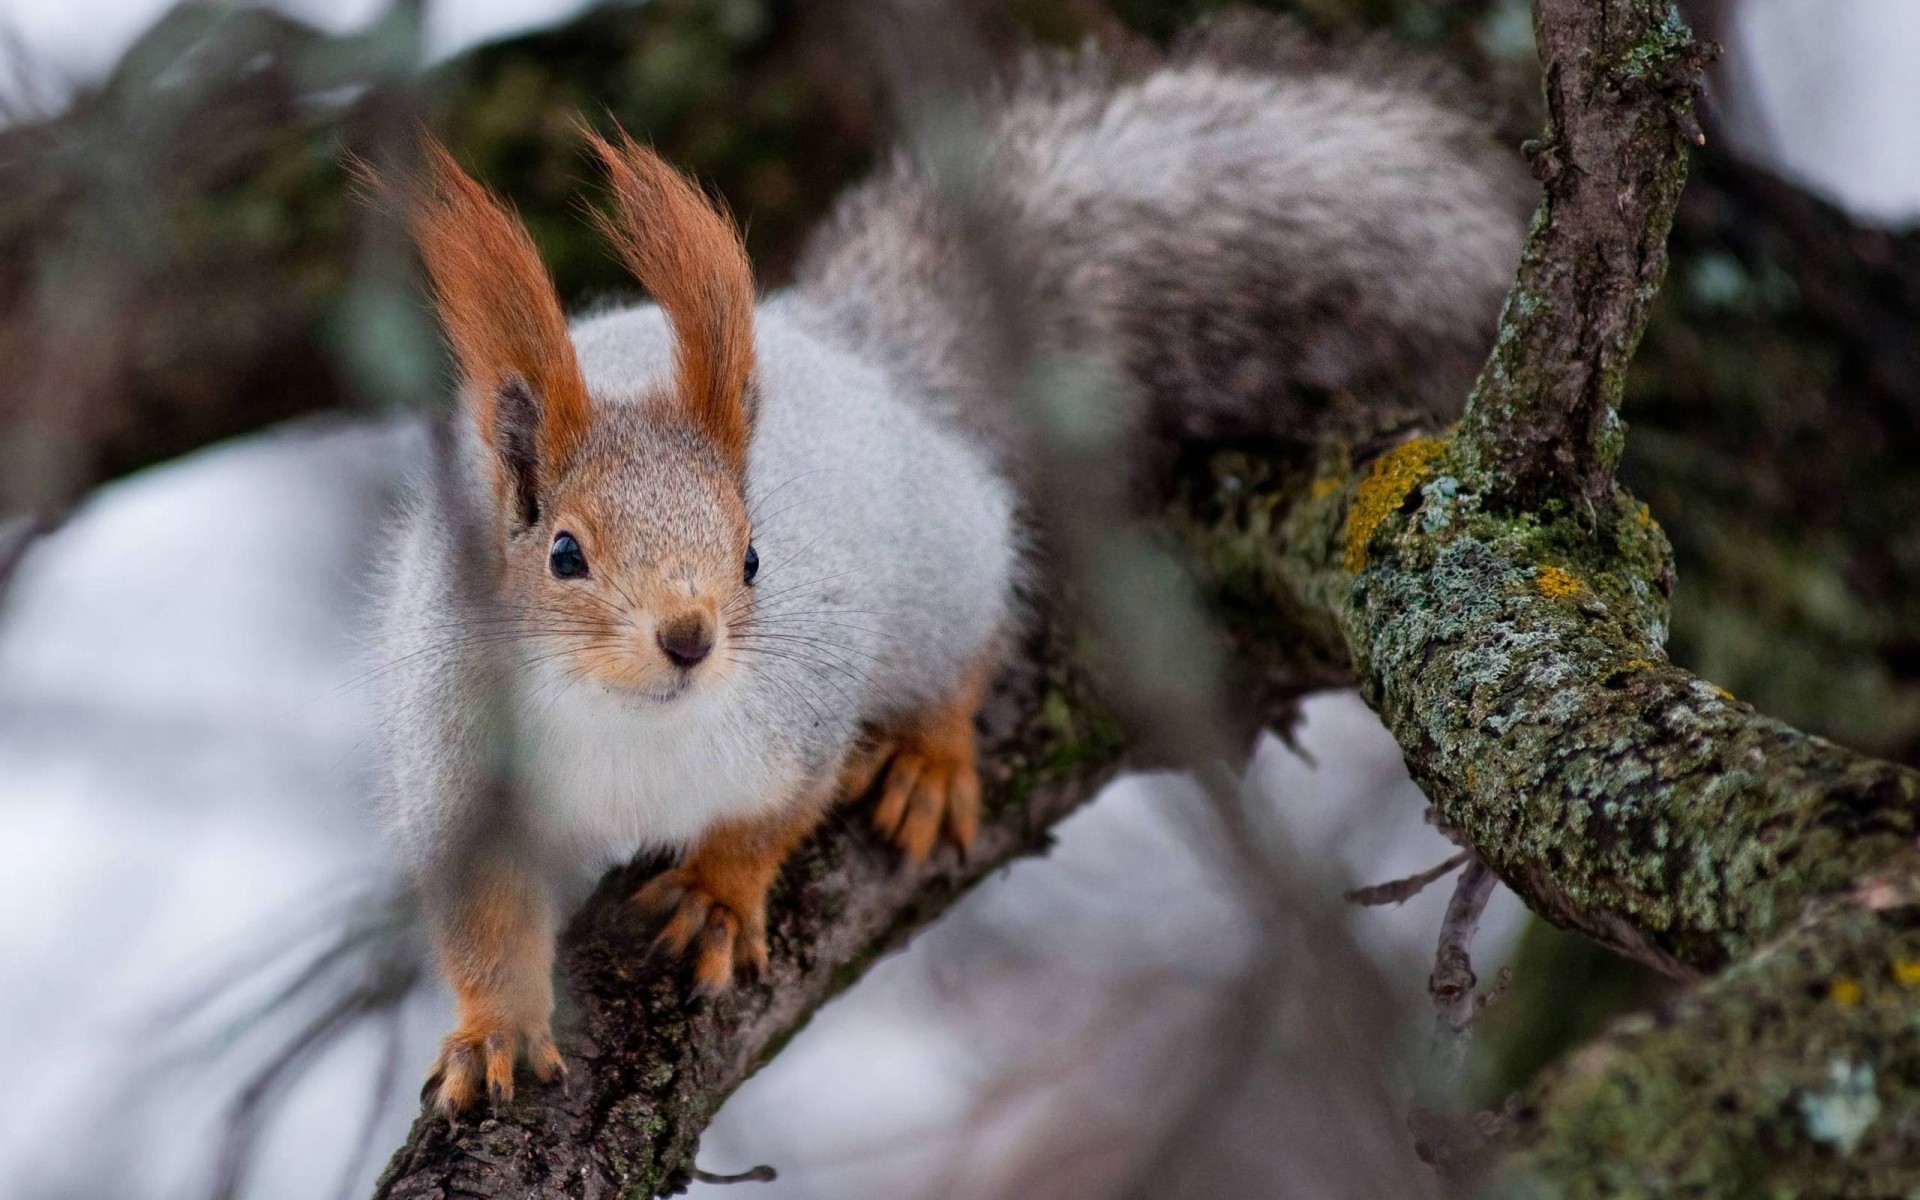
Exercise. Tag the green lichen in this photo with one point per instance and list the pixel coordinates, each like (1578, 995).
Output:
(1436, 513)
(641, 1128)
(1518, 658)
(1755, 1084)
(1841, 1114)
(1668, 45)
(1069, 733)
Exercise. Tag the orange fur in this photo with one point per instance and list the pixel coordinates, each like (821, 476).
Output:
(932, 782)
(497, 304)
(716, 900)
(688, 255)
(719, 895)
(497, 954)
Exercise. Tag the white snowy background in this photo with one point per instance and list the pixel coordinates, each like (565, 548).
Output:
(184, 765)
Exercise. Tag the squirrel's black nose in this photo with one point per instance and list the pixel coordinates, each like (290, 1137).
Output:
(685, 640)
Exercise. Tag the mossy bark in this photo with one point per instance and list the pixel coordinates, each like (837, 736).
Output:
(1519, 664)
(1795, 1073)
(1619, 81)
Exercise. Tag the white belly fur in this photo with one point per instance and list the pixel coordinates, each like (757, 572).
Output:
(607, 778)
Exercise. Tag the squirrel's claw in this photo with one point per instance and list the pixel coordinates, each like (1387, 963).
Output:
(929, 791)
(724, 933)
(471, 1058)
(929, 785)
(689, 906)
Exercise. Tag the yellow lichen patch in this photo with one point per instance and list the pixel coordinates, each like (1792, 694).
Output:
(1324, 486)
(1637, 664)
(1645, 517)
(1556, 584)
(1907, 972)
(1721, 692)
(1397, 472)
(1846, 992)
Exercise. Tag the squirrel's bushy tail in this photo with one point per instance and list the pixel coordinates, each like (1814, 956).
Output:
(1255, 229)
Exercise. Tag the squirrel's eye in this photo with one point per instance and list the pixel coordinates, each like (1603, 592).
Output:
(565, 559)
(753, 563)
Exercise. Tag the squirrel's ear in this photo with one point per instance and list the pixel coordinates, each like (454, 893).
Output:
(687, 253)
(503, 319)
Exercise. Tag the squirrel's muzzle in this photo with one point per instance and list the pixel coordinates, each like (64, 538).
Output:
(685, 640)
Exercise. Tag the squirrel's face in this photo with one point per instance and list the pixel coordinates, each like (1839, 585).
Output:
(641, 569)
(623, 528)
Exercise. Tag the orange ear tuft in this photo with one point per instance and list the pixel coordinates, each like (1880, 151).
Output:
(687, 254)
(502, 316)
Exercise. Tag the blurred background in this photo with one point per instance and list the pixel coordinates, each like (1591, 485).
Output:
(211, 366)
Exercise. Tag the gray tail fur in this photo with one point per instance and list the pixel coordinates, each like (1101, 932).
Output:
(1255, 229)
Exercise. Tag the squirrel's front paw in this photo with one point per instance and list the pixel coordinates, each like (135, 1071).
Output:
(477, 1053)
(931, 787)
(723, 920)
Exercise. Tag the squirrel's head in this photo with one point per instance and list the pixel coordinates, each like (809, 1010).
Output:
(624, 545)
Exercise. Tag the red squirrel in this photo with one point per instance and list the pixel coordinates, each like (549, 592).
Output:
(729, 562)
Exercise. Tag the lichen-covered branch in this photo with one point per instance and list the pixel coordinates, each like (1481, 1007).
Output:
(1792, 1074)
(1519, 665)
(1620, 77)
(1504, 607)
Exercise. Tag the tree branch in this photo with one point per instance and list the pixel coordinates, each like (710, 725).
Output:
(1620, 79)
(1790, 1075)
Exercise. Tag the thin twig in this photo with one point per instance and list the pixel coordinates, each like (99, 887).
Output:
(760, 1174)
(1399, 891)
(1452, 982)
(1452, 1145)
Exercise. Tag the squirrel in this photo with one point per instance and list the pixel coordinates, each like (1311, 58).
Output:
(691, 573)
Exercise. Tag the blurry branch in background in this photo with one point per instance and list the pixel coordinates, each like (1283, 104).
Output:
(149, 303)
(173, 243)
(366, 976)
(313, 976)
(1399, 891)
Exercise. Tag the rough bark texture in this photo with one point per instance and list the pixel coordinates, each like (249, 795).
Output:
(1620, 77)
(1791, 1074)
(1518, 663)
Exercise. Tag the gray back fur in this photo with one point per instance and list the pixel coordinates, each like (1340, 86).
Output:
(1249, 232)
